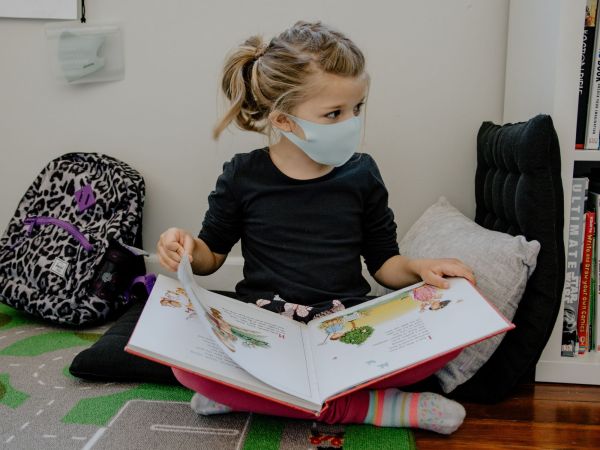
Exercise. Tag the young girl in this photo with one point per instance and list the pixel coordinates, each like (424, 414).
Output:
(306, 208)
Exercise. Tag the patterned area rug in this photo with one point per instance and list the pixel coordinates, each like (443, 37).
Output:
(42, 406)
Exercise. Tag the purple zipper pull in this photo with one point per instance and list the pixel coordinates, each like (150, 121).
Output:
(31, 222)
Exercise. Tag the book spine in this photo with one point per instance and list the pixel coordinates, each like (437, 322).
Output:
(587, 52)
(593, 292)
(584, 285)
(573, 272)
(593, 117)
(595, 320)
(594, 205)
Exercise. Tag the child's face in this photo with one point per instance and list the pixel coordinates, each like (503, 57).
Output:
(334, 99)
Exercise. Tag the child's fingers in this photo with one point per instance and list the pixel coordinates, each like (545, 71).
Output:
(173, 246)
(466, 272)
(168, 259)
(174, 253)
(455, 268)
(167, 256)
(435, 280)
(469, 275)
(181, 253)
(188, 246)
(166, 264)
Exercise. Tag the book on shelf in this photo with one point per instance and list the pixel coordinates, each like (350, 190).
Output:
(594, 327)
(593, 293)
(593, 116)
(569, 341)
(594, 205)
(306, 365)
(587, 52)
(585, 283)
(595, 318)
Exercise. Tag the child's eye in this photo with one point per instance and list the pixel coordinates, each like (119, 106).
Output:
(333, 114)
(357, 108)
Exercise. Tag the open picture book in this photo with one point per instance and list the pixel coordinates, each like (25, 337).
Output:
(306, 365)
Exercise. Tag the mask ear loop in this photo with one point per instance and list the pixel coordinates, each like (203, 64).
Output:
(297, 125)
(280, 132)
(82, 11)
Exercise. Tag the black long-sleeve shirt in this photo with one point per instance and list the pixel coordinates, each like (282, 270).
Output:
(301, 239)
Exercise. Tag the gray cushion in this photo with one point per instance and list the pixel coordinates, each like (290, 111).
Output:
(502, 265)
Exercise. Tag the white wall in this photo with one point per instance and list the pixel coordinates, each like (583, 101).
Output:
(437, 70)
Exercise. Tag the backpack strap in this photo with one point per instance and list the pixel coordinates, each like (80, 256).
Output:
(146, 280)
(149, 279)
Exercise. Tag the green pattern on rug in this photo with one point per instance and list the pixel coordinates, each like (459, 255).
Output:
(11, 318)
(264, 433)
(359, 437)
(67, 374)
(49, 342)
(9, 396)
(99, 410)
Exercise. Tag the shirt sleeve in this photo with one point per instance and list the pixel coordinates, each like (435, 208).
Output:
(222, 224)
(379, 228)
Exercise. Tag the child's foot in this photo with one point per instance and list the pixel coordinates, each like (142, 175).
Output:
(429, 411)
(207, 407)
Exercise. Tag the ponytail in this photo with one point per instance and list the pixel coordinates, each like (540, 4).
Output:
(237, 85)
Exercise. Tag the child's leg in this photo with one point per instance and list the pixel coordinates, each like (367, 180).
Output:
(348, 409)
(235, 399)
(375, 405)
(389, 407)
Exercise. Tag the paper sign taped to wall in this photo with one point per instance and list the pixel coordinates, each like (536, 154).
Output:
(39, 9)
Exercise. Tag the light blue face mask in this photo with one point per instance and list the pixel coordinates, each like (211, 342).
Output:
(328, 144)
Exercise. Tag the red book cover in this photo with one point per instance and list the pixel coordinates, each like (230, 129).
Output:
(584, 290)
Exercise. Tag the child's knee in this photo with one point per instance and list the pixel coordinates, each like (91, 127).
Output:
(196, 383)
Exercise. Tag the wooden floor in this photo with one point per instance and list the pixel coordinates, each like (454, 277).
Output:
(537, 416)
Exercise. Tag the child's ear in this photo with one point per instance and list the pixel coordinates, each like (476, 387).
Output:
(281, 121)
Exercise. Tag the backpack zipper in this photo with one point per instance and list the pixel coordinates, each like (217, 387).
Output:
(68, 227)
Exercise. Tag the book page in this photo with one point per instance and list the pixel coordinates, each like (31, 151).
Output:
(268, 346)
(170, 326)
(398, 330)
(170, 331)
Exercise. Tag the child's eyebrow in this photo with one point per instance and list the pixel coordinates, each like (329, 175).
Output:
(341, 106)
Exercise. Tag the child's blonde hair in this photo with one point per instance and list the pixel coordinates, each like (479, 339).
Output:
(259, 78)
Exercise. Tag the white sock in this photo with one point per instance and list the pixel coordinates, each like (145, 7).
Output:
(207, 407)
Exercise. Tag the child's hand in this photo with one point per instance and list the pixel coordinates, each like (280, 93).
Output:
(432, 271)
(172, 246)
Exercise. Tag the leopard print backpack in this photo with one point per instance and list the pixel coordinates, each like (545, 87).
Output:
(69, 252)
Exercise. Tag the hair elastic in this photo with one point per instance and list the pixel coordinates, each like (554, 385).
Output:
(260, 50)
